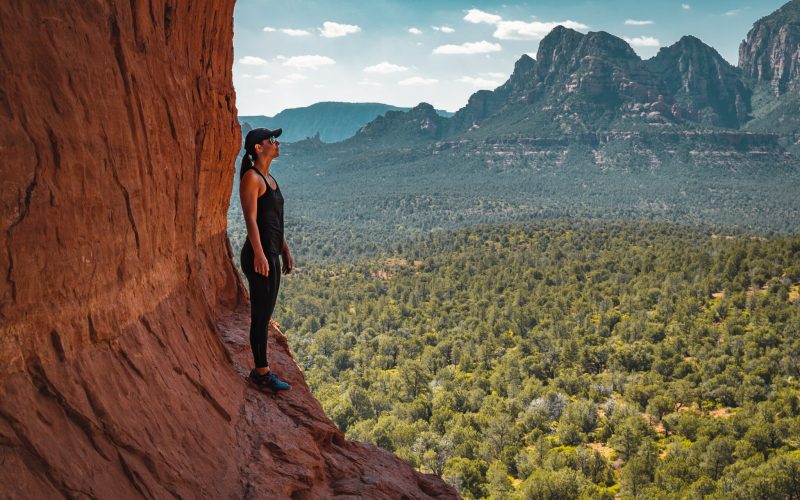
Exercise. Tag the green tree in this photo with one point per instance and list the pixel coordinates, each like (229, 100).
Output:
(498, 481)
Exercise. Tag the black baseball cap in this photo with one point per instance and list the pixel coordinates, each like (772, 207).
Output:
(257, 135)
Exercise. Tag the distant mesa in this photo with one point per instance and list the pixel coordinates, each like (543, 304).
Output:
(333, 121)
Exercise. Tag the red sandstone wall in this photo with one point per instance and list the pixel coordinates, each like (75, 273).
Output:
(119, 134)
(118, 142)
(119, 130)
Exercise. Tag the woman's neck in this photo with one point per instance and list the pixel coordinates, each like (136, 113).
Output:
(263, 166)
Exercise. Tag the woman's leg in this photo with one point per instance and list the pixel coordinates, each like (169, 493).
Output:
(260, 292)
(274, 283)
(263, 296)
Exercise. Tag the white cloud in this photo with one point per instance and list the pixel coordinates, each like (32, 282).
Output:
(478, 16)
(294, 32)
(311, 62)
(536, 30)
(264, 91)
(481, 47)
(291, 78)
(269, 29)
(369, 83)
(253, 61)
(686, 6)
(519, 30)
(479, 82)
(733, 12)
(333, 30)
(414, 31)
(643, 41)
(263, 77)
(417, 80)
(496, 75)
(384, 68)
(443, 29)
(636, 22)
(247, 75)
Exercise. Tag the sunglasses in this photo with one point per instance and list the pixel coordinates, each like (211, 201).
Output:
(272, 140)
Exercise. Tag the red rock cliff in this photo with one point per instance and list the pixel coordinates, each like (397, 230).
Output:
(122, 319)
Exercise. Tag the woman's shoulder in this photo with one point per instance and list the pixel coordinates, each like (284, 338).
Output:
(250, 180)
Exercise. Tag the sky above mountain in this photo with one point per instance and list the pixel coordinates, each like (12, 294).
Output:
(299, 52)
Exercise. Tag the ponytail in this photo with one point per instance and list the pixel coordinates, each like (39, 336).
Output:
(247, 164)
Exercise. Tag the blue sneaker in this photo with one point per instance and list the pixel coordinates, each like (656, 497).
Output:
(268, 381)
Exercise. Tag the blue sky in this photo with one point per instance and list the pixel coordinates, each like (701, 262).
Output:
(295, 53)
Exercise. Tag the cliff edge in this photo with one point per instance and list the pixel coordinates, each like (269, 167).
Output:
(122, 318)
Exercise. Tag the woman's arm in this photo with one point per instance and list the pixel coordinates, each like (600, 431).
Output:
(288, 262)
(248, 195)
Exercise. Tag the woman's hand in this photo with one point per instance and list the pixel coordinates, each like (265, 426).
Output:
(288, 263)
(260, 264)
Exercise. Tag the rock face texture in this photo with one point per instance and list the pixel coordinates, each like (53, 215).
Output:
(122, 352)
(705, 87)
(771, 52)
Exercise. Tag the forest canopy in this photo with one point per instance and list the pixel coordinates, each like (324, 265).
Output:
(558, 359)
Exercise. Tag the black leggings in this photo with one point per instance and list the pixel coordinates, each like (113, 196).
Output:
(263, 295)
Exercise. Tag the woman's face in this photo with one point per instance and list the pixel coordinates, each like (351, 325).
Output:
(269, 149)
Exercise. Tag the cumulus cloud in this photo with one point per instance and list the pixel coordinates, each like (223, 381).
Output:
(294, 32)
(384, 68)
(417, 81)
(519, 30)
(312, 62)
(263, 77)
(478, 16)
(536, 30)
(414, 31)
(334, 30)
(479, 82)
(686, 6)
(253, 61)
(291, 78)
(481, 47)
(443, 29)
(269, 29)
(643, 41)
(369, 83)
(637, 22)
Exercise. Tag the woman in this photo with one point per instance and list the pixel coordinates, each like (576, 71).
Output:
(262, 206)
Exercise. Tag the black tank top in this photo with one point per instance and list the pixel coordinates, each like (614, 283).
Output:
(269, 218)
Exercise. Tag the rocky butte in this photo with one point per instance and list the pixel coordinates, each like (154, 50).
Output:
(122, 318)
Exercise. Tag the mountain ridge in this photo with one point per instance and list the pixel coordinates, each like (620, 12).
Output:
(589, 83)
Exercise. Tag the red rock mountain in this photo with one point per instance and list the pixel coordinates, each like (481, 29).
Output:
(771, 52)
(122, 319)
